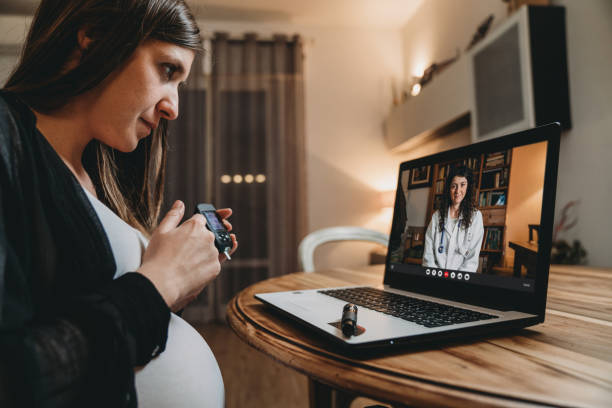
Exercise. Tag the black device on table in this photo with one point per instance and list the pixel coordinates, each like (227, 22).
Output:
(223, 241)
(349, 319)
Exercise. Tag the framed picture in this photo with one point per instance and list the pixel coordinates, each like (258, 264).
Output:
(419, 177)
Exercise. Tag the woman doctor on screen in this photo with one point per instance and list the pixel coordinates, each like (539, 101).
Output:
(455, 233)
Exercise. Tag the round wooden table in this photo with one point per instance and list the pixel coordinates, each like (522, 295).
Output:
(566, 361)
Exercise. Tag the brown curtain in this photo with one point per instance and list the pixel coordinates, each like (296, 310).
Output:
(251, 158)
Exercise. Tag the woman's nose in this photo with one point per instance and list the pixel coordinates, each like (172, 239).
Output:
(168, 107)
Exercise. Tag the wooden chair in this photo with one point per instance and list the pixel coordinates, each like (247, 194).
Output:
(314, 239)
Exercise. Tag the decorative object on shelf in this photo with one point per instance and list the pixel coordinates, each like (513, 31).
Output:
(481, 31)
(514, 5)
(430, 71)
(562, 252)
(419, 177)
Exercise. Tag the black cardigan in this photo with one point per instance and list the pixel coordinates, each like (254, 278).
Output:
(70, 335)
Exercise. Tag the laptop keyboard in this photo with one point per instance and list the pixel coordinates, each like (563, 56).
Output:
(423, 312)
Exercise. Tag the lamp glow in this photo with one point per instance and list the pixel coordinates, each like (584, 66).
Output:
(416, 89)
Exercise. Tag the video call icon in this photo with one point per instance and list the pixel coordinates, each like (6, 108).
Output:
(427, 272)
(452, 275)
(440, 273)
(459, 275)
(467, 276)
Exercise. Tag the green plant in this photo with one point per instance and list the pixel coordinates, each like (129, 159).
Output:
(563, 253)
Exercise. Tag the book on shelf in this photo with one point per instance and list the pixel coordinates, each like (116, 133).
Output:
(491, 198)
(498, 198)
(495, 163)
(439, 186)
(444, 171)
(483, 199)
(504, 178)
(494, 178)
(437, 202)
(492, 240)
(497, 159)
(472, 163)
(482, 263)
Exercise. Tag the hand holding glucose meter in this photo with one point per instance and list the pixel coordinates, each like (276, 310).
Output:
(223, 241)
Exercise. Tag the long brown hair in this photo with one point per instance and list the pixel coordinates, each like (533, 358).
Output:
(130, 183)
(468, 205)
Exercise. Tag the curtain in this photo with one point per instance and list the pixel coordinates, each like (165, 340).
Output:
(240, 144)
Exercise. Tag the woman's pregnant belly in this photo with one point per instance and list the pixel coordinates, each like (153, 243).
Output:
(186, 374)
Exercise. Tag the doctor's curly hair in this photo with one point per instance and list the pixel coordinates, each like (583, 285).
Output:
(467, 208)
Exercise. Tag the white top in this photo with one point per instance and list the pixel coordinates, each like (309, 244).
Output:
(128, 244)
(461, 246)
(186, 374)
(452, 223)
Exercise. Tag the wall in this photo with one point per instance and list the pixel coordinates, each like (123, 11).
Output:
(585, 164)
(524, 193)
(440, 26)
(13, 30)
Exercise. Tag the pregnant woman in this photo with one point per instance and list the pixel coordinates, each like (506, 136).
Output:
(88, 277)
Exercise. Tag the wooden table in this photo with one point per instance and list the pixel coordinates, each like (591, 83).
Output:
(566, 361)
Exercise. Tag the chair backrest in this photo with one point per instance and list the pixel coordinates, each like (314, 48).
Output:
(314, 239)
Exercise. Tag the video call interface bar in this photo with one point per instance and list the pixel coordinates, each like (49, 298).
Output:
(522, 284)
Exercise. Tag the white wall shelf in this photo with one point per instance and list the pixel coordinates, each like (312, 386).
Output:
(443, 104)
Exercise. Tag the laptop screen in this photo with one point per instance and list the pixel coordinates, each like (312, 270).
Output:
(473, 216)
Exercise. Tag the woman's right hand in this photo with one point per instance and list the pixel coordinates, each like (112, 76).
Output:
(180, 260)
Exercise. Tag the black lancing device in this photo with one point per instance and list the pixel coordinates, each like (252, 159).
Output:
(223, 241)
(349, 319)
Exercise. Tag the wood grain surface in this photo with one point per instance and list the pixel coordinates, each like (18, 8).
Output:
(566, 361)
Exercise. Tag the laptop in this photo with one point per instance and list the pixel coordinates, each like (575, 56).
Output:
(468, 253)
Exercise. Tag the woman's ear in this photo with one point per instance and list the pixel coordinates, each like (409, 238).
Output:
(83, 39)
(83, 42)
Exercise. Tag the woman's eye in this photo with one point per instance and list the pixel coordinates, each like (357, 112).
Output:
(169, 71)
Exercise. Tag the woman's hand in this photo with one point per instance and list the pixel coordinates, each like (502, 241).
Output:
(181, 260)
(225, 213)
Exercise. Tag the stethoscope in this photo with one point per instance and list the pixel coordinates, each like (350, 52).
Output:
(441, 247)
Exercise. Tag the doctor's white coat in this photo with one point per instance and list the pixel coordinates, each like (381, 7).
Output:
(461, 245)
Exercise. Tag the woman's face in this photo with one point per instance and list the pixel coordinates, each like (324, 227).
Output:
(129, 104)
(458, 188)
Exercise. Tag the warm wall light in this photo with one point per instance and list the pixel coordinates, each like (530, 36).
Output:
(387, 199)
(381, 220)
(239, 178)
(416, 89)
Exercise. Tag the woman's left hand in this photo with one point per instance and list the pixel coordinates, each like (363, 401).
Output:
(225, 213)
